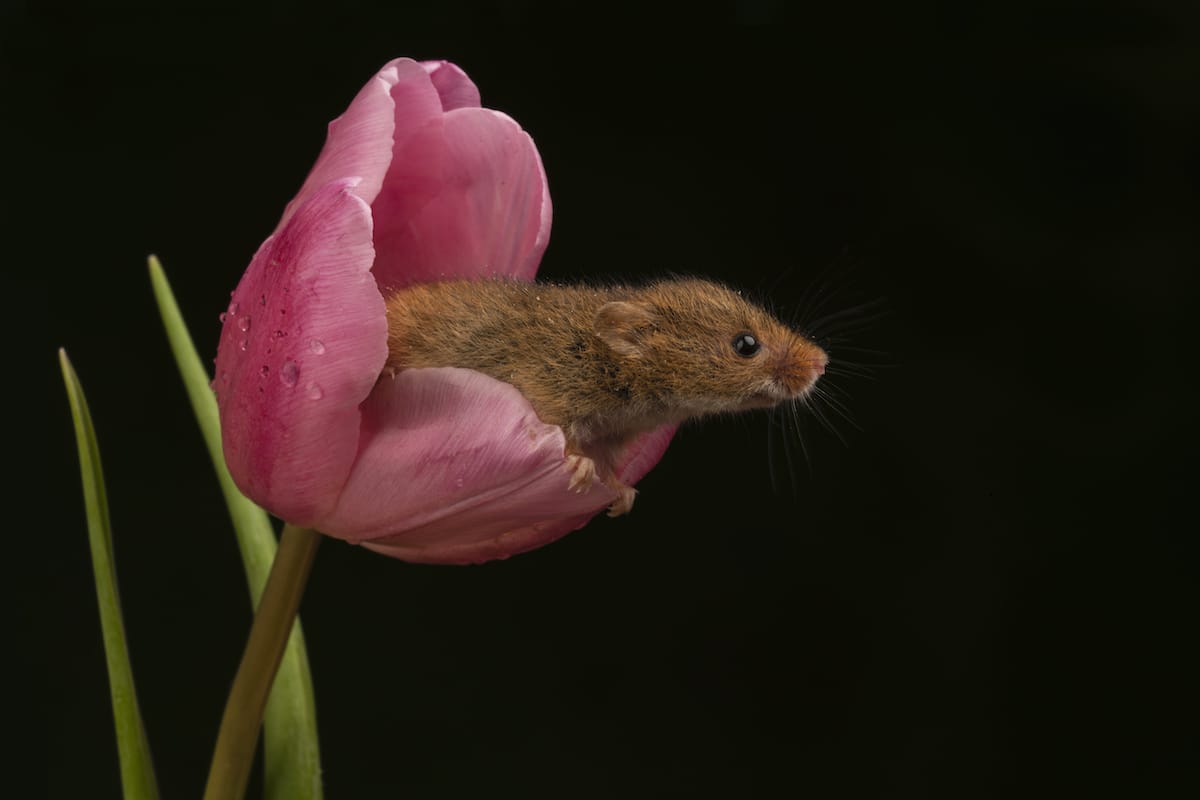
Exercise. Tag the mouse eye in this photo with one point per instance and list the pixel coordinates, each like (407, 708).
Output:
(745, 345)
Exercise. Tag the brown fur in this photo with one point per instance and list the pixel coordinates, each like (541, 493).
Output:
(605, 364)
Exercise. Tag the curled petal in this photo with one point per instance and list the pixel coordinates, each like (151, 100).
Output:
(638, 459)
(398, 100)
(466, 196)
(304, 340)
(453, 86)
(455, 467)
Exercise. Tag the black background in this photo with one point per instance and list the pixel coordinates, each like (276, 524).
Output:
(985, 591)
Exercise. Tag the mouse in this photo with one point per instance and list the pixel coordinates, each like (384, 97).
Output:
(606, 363)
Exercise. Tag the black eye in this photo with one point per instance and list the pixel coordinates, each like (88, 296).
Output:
(745, 345)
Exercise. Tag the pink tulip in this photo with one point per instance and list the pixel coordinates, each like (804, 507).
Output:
(416, 182)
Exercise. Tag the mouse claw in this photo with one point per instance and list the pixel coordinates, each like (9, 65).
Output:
(624, 502)
(583, 473)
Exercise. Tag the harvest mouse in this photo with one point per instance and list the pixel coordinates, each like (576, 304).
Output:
(606, 363)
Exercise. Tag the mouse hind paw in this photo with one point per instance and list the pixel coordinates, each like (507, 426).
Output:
(584, 471)
(625, 497)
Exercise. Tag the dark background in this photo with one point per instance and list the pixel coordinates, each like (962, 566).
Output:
(986, 591)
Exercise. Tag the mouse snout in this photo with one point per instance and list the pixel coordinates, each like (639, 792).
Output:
(800, 368)
(819, 359)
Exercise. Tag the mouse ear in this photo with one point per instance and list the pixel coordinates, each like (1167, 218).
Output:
(623, 326)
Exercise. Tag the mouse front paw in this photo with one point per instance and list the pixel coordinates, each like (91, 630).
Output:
(583, 473)
(624, 502)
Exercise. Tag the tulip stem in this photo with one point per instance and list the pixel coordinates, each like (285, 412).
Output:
(238, 737)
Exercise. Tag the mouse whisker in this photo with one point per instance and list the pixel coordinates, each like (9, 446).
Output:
(848, 319)
(777, 428)
(851, 370)
(792, 412)
(819, 415)
(836, 344)
(837, 406)
(822, 290)
(771, 452)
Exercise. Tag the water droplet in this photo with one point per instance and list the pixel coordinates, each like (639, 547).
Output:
(289, 373)
(243, 345)
(280, 334)
(314, 391)
(316, 345)
(262, 300)
(224, 376)
(222, 317)
(458, 482)
(244, 323)
(265, 371)
(233, 308)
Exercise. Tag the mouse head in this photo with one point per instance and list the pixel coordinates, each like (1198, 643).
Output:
(705, 349)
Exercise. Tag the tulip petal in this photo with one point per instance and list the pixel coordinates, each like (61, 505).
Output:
(638, 459)
(397, 101)
(452, 463)
(457, 468)
(304, 340)
(451, 444)
(453, 86)
(464, 197)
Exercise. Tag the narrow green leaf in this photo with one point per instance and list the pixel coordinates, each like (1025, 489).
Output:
(137, 768)
(292, 754)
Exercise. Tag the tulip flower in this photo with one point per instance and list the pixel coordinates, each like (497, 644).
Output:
(416, 182)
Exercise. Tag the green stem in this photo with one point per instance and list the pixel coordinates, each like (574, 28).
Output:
(234, 754)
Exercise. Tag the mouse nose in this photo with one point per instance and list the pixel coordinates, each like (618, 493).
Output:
(800, 369)
(818, 362)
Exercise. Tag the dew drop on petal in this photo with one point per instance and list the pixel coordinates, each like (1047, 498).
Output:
(458, 482)
(264, 371)
(262, 300)
(314, 391)
(316, 345)
(233, 307)
(244, 323)
(222, 317)
(289, 373)
(243, 345)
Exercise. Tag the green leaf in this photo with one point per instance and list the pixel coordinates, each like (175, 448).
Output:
(292, 755)
(137, 768)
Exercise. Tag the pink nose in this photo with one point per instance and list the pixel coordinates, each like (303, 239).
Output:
(818, 363)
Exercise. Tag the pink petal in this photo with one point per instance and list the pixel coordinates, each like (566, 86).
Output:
(304, 340)
(440, 444)
(455, 467)
(640, 457)
(397, 101)
(465, 198)
(646, 451)
(453, 86)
